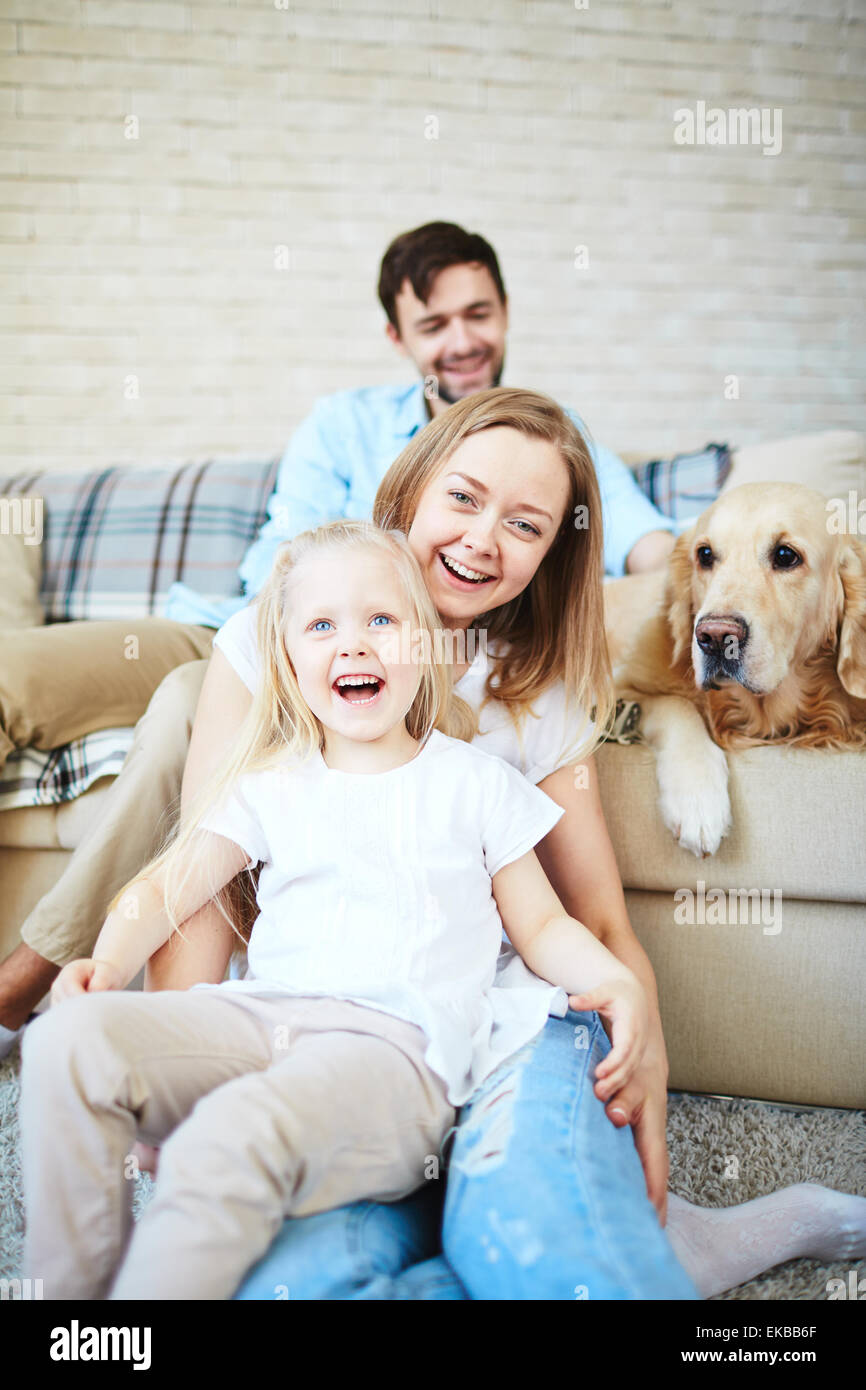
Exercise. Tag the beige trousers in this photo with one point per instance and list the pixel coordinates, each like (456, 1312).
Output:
(64, 680)
(140, 808)
(274, 1107)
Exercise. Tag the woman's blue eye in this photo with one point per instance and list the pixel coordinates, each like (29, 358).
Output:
(464, 496)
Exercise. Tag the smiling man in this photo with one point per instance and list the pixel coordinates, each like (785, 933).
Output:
(450, 319)
(447, 312)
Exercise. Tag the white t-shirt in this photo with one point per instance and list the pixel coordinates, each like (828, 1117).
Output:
(376, 888)
(548, 739)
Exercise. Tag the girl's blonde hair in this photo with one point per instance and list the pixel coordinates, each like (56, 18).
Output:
(554, 629)
(280, 725)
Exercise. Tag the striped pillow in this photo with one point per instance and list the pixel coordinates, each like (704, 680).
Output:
(684, 486)
(116, 540)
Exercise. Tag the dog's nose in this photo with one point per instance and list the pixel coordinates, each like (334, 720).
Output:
(721, 636)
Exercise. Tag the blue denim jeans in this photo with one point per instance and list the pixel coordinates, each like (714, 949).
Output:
(545, 1199)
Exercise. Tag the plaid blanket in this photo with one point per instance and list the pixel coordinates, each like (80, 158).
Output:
(33, 778)
(116, 540)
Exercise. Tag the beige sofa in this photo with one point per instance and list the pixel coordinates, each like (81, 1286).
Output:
(769, 1008)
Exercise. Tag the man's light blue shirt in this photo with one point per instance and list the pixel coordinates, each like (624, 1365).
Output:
(335, 462)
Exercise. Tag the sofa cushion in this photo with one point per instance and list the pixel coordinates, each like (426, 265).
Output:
(116, 540)
(20, 575)
(747, 1014)
(797, 824)
(54, 827)
(773, 821)
(833, 463)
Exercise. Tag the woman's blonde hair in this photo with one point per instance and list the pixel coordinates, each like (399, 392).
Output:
(280, 725)
(554, 629)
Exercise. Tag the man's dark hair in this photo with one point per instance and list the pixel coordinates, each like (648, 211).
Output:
(419, 256)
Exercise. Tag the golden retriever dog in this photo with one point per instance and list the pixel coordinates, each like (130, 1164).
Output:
(755, 634)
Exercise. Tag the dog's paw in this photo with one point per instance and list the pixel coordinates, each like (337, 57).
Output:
(694, 800)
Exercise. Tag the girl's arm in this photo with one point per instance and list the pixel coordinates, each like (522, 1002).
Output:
(138, 925)
(204, 953)
(560, 949)
(578, 858)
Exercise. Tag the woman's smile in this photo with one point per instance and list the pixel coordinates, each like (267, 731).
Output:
(462, 575)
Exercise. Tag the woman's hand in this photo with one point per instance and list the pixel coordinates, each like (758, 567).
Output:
(642, 1103)
(579, 860)
(85, 976)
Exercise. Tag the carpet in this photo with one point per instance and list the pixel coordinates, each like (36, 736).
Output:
(721, 1151)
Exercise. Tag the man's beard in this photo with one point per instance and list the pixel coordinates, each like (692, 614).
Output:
(452, 400)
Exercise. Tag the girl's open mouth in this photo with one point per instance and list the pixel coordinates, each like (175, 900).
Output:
(358, 690)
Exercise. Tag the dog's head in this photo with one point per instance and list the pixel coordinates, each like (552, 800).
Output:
(760, 583)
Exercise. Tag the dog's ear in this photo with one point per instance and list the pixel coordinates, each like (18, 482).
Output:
(678, 596)
(851, 658)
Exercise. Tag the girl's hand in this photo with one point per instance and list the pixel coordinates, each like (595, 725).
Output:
(85, 976)
(623, 1002)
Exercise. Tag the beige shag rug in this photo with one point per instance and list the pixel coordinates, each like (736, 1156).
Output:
(773, 1147)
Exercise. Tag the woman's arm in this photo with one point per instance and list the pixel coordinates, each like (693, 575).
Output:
(204, 955)
(562, 950)
(578, 858)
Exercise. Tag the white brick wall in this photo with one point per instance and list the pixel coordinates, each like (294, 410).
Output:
(153, 259)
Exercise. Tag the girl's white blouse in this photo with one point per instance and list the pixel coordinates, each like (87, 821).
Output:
(376, 887)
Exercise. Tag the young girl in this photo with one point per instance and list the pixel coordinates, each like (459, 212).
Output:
(393, 853)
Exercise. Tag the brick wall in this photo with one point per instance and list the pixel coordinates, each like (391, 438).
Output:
(143, 316)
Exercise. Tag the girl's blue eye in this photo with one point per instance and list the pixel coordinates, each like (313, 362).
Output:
(320, 621)
(384, 616)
